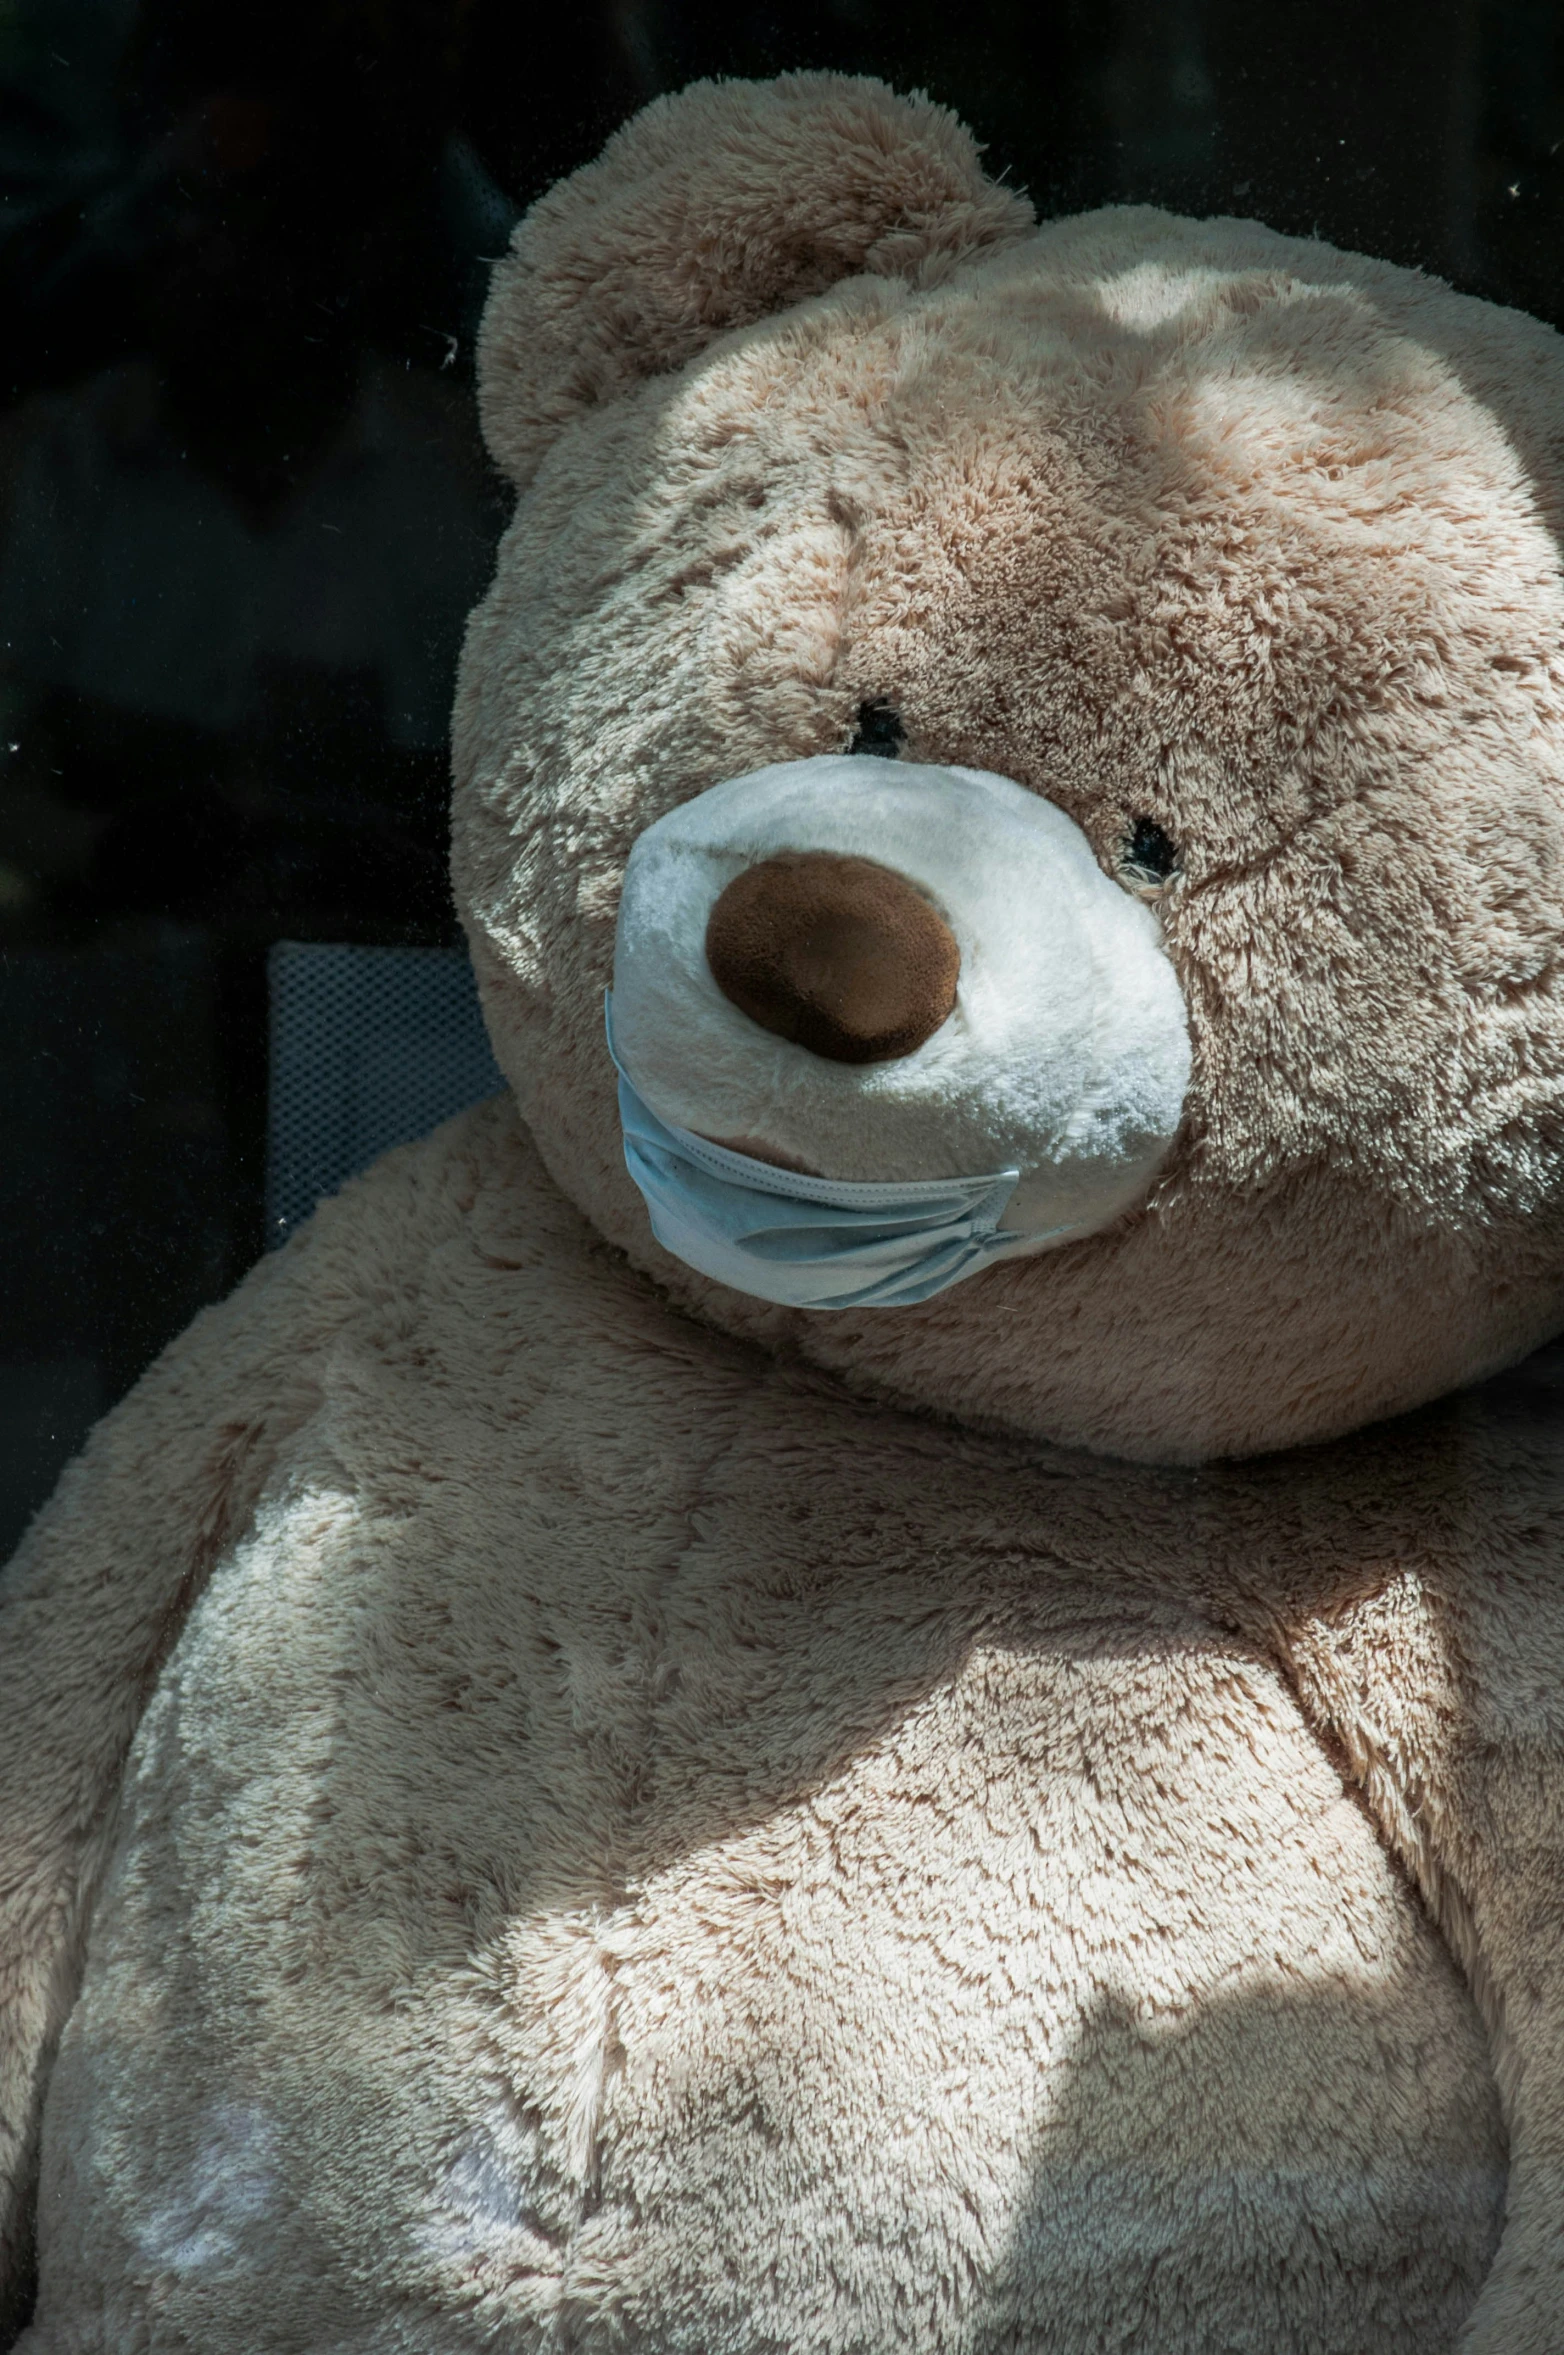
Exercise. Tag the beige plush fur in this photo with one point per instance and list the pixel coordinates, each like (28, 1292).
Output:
(1163, 519)
(529, 1819)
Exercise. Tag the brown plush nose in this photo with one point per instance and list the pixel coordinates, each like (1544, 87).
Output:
(841, 955)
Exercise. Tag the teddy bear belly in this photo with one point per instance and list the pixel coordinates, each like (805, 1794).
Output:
(1033, 1986)
(631, 1853)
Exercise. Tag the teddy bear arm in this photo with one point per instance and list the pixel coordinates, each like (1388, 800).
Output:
(1444, 1695)
(90, 1607)
(1512, 1821)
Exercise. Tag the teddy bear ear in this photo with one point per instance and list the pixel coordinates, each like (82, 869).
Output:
(712, 208)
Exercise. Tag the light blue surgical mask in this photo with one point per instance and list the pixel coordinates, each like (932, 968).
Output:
(809, 1242)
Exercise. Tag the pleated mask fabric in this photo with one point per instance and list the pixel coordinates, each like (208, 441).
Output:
(808, 1242)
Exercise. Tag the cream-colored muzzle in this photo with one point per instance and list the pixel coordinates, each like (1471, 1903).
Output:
(1065, 1053)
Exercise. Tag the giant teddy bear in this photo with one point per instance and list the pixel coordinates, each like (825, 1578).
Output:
(892, 1679)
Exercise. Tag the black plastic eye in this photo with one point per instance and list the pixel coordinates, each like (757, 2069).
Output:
(879, 730)
(1149, 852)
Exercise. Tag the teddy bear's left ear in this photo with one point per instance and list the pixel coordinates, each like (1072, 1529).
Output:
(708, 210)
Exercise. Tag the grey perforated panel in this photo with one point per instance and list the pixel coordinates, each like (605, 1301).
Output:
(370, 1047)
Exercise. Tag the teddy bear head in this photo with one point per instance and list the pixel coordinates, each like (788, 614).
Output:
(1040, 755)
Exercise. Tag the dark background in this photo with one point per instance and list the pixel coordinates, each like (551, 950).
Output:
(243, 508)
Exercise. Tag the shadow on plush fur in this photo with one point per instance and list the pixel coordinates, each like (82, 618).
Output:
(551, 1801)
